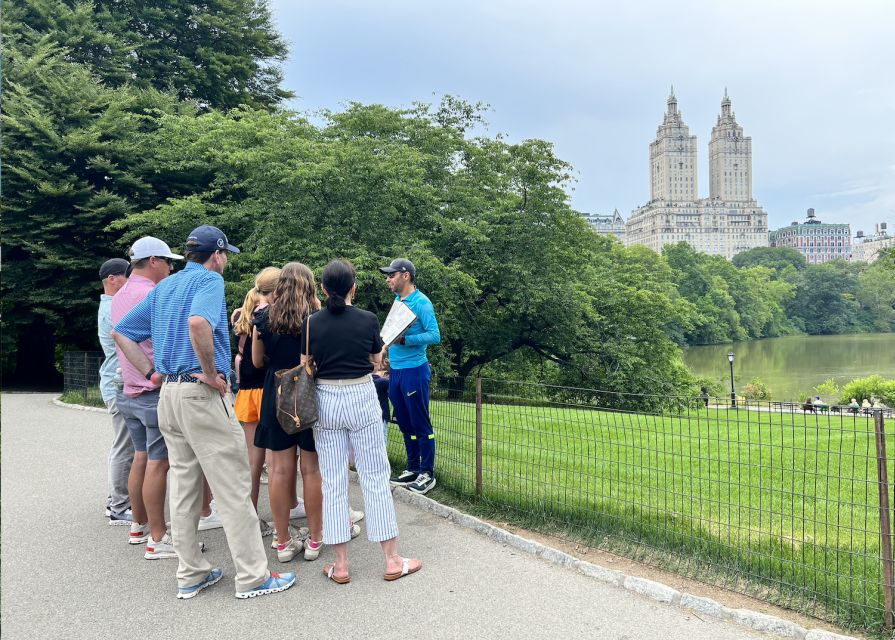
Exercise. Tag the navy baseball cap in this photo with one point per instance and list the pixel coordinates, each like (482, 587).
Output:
(113, 267)
(208, 239)
(400, 265)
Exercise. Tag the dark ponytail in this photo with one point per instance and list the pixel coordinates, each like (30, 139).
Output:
(338, 278)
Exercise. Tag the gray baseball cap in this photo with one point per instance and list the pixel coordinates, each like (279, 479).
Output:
(113, 267)
(400, 265)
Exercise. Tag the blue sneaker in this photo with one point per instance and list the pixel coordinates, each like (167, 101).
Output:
(121, 519)
(275, 583)
(185, 593)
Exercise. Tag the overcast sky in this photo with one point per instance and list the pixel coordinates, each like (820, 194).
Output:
(813, 84)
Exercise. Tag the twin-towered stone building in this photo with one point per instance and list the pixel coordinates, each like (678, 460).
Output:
(729, 220)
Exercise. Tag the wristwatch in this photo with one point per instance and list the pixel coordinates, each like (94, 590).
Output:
(149, 375)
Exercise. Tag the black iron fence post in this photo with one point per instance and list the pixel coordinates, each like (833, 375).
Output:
(884, 518)
(478, 437)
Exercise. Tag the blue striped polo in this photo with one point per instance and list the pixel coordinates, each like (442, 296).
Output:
(164, 316)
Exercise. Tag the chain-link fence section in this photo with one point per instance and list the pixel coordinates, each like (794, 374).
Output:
(779, 502)
(81, 376)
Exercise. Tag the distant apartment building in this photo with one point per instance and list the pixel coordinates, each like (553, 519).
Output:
(726, 223)
(867, 248)
(818, 241)
(608, 224)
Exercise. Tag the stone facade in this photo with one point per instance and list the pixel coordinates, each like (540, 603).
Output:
(867, 248)
(612, 224)
(729, 220)
(819, 242)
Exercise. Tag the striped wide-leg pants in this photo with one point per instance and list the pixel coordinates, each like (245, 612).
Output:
(351, 413)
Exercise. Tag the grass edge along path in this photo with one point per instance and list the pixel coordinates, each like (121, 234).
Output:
(781, 507)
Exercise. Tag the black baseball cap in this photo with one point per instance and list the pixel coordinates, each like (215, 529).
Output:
(113, 267)
(400, 265)
(208, 239)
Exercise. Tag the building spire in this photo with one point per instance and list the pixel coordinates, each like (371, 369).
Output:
(725, 105)
(672, 102)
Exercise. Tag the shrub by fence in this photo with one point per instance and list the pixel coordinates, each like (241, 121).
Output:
(765, 500)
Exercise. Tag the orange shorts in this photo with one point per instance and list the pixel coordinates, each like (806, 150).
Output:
(248, 405)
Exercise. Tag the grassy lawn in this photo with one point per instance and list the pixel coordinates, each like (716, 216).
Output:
(781, 506)
(90, 398)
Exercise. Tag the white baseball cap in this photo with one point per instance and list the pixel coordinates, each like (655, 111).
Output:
(147, 247)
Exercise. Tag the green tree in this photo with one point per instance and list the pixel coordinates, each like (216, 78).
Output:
(515, 274)
(825, 301)
(776, 258)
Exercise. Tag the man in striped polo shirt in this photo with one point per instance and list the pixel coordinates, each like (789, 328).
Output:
(186, 317)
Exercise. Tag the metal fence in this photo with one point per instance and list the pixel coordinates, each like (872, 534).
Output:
(781, 504)
(81, 375)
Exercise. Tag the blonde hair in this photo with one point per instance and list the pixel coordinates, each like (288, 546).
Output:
(294, 298)
(265, 282)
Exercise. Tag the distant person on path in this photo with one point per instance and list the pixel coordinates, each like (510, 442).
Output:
(251, 378)
(151, 262)
(346, 347)
(410, 375)
(186, 317)
(276, 342)
(113, 274)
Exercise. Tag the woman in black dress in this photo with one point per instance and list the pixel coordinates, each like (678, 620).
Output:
(276, 342)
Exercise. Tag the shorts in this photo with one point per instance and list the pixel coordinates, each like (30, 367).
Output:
(141, 418)
(248, 405)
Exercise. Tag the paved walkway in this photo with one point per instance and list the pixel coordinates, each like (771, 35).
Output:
(66, 573)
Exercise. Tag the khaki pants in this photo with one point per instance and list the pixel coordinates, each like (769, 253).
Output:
(203, 435)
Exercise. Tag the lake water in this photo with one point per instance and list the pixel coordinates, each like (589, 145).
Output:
(794, 365)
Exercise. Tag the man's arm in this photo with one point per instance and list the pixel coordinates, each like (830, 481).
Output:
(202, 339)
(135, 356)
(430, 333)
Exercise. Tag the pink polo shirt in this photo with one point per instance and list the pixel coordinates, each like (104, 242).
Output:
(128, 297)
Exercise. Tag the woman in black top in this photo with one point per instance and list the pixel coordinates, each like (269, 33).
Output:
(345, 345)
(250, 377)
(276, 340)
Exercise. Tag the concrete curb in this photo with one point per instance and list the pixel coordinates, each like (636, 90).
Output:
(752, 620)
(77, 407)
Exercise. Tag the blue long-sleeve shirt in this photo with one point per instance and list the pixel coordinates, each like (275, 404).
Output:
(420, 335)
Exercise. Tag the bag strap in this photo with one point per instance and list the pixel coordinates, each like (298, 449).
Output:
(308, 344)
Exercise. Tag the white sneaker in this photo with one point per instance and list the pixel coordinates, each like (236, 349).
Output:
(354, 515)
(299, 534)
(139, 533)
(289, 549)
(211, 521)
(163, 548)
(355, 531)
(312, 549)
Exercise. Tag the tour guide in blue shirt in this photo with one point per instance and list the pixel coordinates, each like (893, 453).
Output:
(410, 374)
(186, 317)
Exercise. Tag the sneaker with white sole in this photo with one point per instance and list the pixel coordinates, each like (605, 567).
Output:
(423, 484)
(274, 584)
(159, 549)
(185, 593)
(312, 549)
(289, 549)
(211, 521)
(354, 515)
(139, 533)
(404, 478)
(355, 531)
(298, 511)
(124, 518)
(301, 534)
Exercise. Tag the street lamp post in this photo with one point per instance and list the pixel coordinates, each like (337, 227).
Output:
(733, 393)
